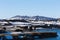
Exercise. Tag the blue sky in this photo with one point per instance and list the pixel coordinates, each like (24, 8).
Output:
(48, 8)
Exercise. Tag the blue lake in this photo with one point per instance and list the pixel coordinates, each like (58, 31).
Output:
(50, 30)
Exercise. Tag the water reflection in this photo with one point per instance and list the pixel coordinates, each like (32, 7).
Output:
(44, 30)
(50, 30)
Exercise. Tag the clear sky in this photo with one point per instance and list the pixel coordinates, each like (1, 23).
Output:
(48, 8)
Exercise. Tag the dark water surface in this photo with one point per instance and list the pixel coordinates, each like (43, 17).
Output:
(49, 30)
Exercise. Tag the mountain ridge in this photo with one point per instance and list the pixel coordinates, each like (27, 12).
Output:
(34, 17)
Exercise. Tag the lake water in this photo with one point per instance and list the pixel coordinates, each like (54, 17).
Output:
(49, 30)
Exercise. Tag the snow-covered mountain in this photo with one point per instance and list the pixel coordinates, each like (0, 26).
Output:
(34, 17)
(20, 17)
(43, 18)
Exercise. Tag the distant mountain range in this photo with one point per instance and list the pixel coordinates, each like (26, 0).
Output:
(35, 17)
